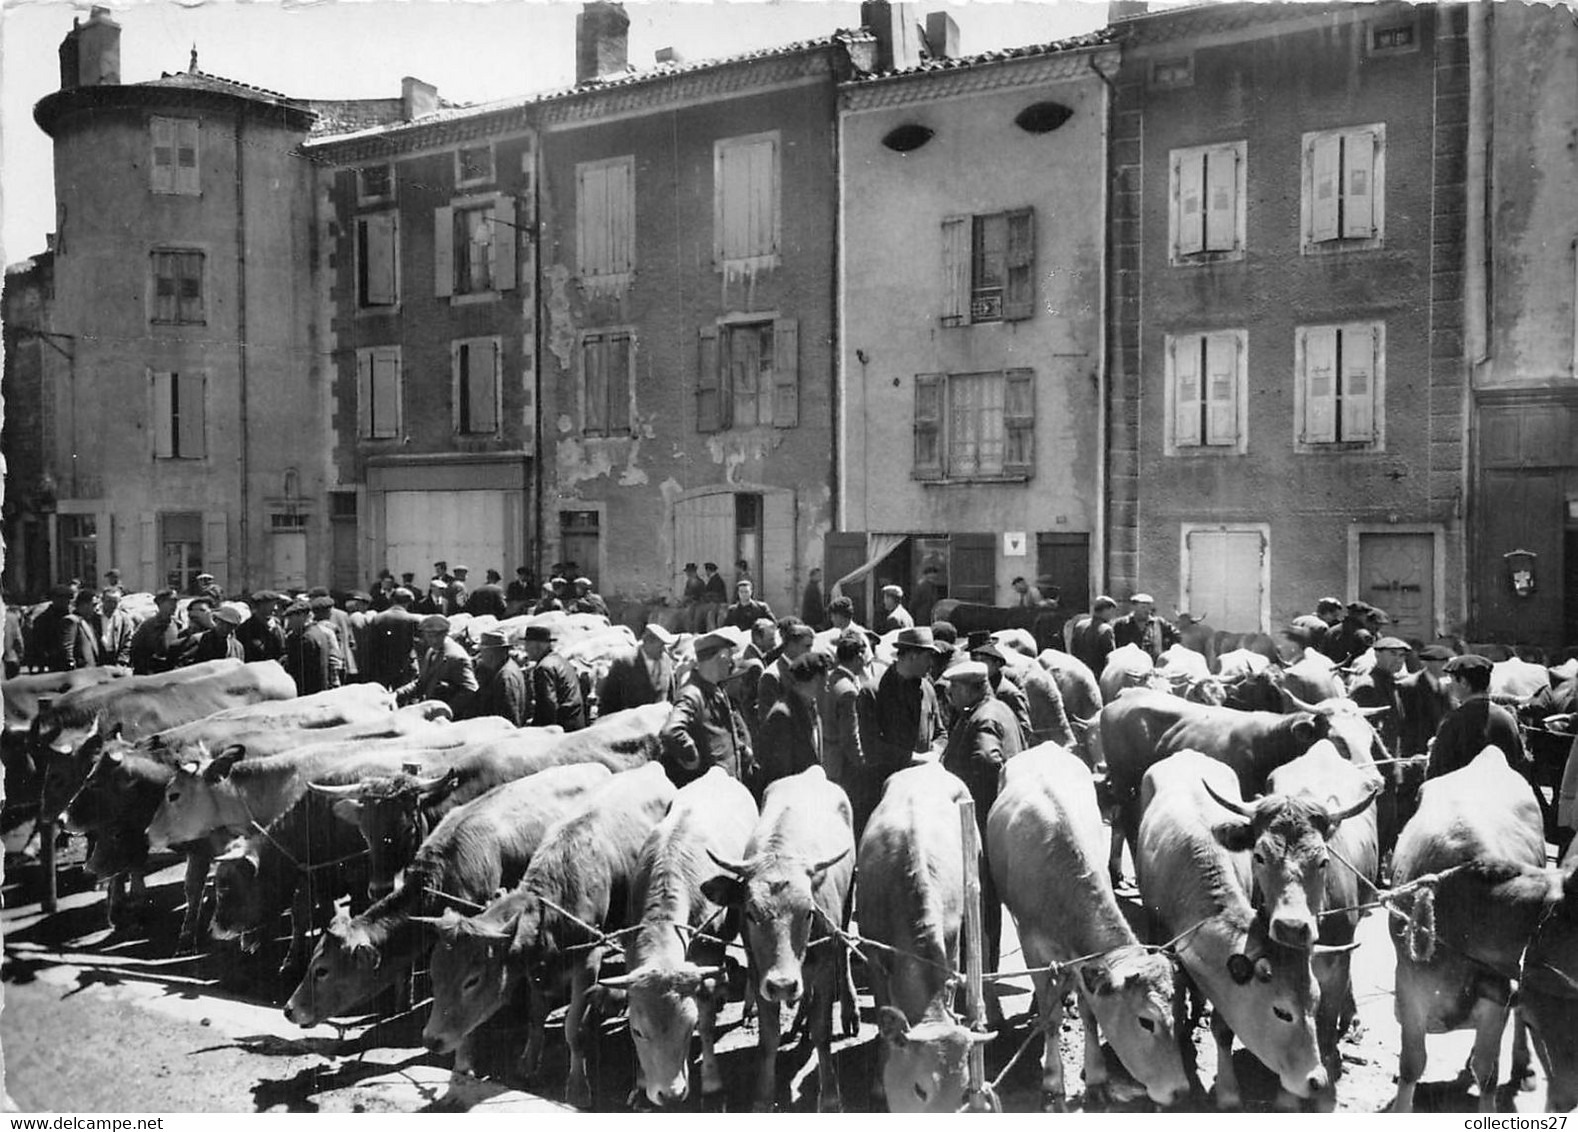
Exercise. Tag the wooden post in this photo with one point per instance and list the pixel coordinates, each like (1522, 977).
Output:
(974, 994)
(46, 861)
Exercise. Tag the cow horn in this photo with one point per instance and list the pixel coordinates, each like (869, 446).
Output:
(436, 709)
(821, 866)
(1298, 704)
(1372, 712)
(1333, 948)
(332, 790)
(735, 867)
(1339, 816)
(1238, 808)
(428, 785)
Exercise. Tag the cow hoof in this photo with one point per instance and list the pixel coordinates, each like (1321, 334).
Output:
(1227, 1104)
(578, 1092)
(850, 1020)
(715, 1102)
(829, 1104)
(1056, 1102)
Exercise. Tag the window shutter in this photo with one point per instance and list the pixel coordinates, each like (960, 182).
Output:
(594, 385)
(148, 558)
(709, 397)
(364, 394)
(1191, 203)
(504, 244)
(622, 216)
(1320, 384)
(1221, 188)
(1184, 354)
(1358, 185)
(763, 165)
(928, 423)
(786, 373)
(187, 179)
(193, 416)
(460, 390)
(163, 414)
(1221, 363)
(955, 270)
(378, 236)
(190, 286)
(386, 393)
(1019, 421)
(216, 547)
(443, 252)
(588, 213)
(619, 359)
(1019, 296)
(483, 375)
(1324, 189)
(163, 132)
(1358, 383)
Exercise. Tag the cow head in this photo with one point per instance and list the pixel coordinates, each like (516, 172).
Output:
(1209, 691)
(470, 976)
(65, 755)
(392, 815)
(117, 849)
(1254, 691)
(778, 895)
(345, 970)
(663, 1009)
(1287, 839)
(108, 791)
(238, 893)
(1132, 992)
(927, 1068)
(198, 800)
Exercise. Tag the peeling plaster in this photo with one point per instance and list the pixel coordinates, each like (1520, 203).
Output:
(585, 458)
(561, 326)
(735, 449)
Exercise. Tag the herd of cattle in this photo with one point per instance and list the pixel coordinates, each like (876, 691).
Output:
(527, 869)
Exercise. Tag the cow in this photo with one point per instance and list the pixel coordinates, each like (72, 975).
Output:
(536, 938)
(1198, 891)
(230, 791)
(1129, 667)
(1249, 681)
(1480, 830)
(1321, 774)
(321, 711)
(1143, 727)
(670, 994)
(1044, 842)
(911, 898)
(792, 889)
(1518, 679)
(395, 813)
(478, 848)
(1311, 679)
(25, 696)
(1081, 700)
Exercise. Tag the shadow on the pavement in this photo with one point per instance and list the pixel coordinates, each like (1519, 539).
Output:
(295, 1093)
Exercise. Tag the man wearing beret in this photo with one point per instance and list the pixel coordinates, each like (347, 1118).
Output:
(985, 735)
(1475, 723)
(444, 673)
(1140, 626)
(1381, 688)
(704, 729)
(644, 676)
(555, 684)
(262, 637)
(502, 688)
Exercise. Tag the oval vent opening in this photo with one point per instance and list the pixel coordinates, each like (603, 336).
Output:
(907, 138)
(1042, 117)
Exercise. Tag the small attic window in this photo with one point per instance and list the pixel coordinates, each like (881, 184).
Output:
(1042, 117)
(908, 137)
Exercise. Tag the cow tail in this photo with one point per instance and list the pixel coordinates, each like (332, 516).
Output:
(1422, 926)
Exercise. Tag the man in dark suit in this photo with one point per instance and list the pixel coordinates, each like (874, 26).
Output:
(645, 676)
(849, 724)
(1476, 723)
(488, 599)
(308, 651)
(1427, 699)
(392, 642)
(705, 729)
(1142, 627)
(444, 673)
(156, 645)
(1381, 688)
(746, 610)
(84, 629)
(791, 731)
(907, 719)
(555, 685)
(502, 688)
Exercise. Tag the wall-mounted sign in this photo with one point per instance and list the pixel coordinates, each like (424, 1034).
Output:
(1013, 544)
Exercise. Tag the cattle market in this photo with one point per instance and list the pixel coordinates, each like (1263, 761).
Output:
(726, 869)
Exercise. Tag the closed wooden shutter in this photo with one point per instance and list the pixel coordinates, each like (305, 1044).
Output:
(1358, 382)
(1183, 356)
(379, 243)
(1358, 185)
(483, 376)
(620, 363)
(364, 393)
(928, 424)
(163, 134)
(1019, 422)
(955, 270)
(709, 397)
(216, 547)
(622, 217)
(1222, 377)
(1189, 174)
(192, 416)
(591, 212)
(443, 252)
(1325, 170)
(1019, 294)
(187, 175)
(504, 233)
(386, 393)
(148, 551)
(1320, 384)
(594, 384)
(763, 224)
(972, 568)
(786, 373)
(1221, 192)
(163, 414)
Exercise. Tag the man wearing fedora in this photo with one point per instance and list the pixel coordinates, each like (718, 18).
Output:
(444, 672)
(502, 689)
(1142, 627)
(704, 729)
(644, 676)
(907, 719)
(555, 685)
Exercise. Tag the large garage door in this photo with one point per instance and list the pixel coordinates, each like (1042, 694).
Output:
(463, 528)
(1225, 578)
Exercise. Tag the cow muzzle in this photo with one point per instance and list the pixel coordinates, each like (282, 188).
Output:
(1294, 931)
(782, 989)
(437, 1043)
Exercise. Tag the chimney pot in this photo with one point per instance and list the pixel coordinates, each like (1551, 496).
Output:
(668, 55)
(417, 98)
(90, 54)
(602, 41)
(898, 39)
(942, 36)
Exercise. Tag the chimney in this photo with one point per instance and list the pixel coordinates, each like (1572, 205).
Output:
(898, 37)
(1126, 9)
(668, 55)
(417, 98)
(90, 55)
(942, 36)
(602, 41)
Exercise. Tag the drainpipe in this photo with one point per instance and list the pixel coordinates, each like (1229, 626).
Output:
(1476, 280)
(244, 583)
(539, 312)
(1098, 550)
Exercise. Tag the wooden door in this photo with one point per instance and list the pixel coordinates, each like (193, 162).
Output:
(1063, 569)
(1397, 574)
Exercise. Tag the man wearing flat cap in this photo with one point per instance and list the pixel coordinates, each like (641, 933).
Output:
(894, 615)
(908, 723)
(358, 620)
(502, 688)
(51, 636)
(555, 684)
(1427, 699)
(985, 735)
(156, 644)
(220, 641)
(704, 729)
(1004, 689)
(1381, 688)
(307, 652)
(1140, 626)
(642, 676)
(1353, 636)
(392, 641)
(795, 638)
(335, 633)
(587, 600)
(444, 672)
(1475, 723)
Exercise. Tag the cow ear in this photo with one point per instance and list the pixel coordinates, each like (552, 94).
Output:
(723, 891)
(1096, 979)
(893, 1027)
(1306, 729)
(221, 764)
(1234, 836)
(368, 958)
(348, 810)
